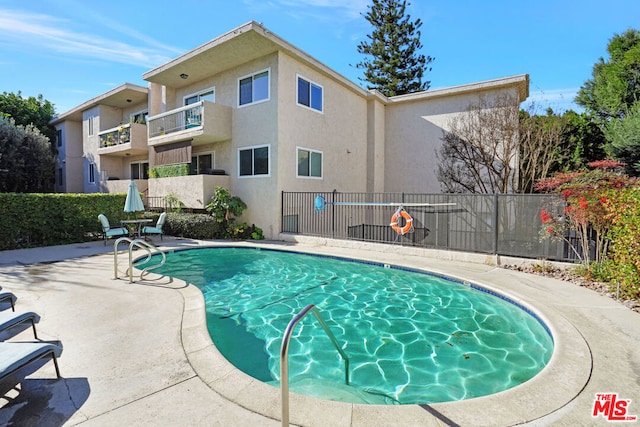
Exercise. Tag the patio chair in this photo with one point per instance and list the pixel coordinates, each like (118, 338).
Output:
(15, 355)
(158, 227)
(110, 231)
(10, 319)
(8, 296)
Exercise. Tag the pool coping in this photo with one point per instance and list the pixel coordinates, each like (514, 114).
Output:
(565, 376)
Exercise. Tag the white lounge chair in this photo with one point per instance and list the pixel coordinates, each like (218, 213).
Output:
(110, 231)
(10, 319)
(16, 355)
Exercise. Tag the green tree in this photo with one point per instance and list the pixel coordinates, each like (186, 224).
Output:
(623, 136)
(26, 161)
(615, 83)
(29, 111)
(584, 141)
(392, 63)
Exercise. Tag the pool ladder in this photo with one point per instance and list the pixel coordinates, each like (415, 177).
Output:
(284, 356)
(137, 243)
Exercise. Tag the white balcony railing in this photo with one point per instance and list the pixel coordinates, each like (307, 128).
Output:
(187, 117)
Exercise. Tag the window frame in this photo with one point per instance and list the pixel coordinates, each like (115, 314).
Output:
(311, 85)
(252, 76)
(59, 137)
(253, 148)
(92, 173)
(143, 113)
(309, 150)
(198, 95)
(139, 164)
(197, 156)
(91, 125)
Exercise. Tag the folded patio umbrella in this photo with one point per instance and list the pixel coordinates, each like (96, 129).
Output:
(133, 203)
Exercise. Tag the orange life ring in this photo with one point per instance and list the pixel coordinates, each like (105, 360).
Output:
(408, 222)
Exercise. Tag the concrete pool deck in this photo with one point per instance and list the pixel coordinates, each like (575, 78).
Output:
(139, 354)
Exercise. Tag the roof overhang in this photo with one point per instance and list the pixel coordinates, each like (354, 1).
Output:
(239, 46)
(121, 97)
(519, 82)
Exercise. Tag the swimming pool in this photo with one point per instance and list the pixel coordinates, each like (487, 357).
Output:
(411, 337)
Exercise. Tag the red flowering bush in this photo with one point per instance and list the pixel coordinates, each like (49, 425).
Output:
(584, 193)
(601, 208)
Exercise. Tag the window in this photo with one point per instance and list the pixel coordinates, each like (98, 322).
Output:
(309, 163)
(92, 173)
(206, 95)
(253, 161)
(59, 137)
(254, 88)
(140, 170)
(91, 119)
(309, 94)
(140, 117)
(60, 176)
(201, 164)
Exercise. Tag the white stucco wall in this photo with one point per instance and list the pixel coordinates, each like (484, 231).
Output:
(414, 129)
(339, 132)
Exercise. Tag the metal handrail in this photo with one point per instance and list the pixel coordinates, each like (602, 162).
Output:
(284, 356)
(143, 244)
(140, 243)
(115, 254)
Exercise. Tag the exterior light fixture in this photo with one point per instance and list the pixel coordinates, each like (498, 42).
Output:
(184, 76)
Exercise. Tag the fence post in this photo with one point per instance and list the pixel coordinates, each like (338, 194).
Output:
(496, 217)
(333, 213)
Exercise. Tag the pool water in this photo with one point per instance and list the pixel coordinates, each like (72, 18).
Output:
(411, 337)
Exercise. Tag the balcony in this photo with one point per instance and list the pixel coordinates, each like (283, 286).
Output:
(128, 139)
(202, 122)
(194, 191)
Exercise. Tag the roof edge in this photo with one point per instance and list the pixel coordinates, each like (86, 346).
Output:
(96, 101)
(521, 81)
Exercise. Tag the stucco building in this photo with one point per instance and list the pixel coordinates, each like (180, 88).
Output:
(250, 112)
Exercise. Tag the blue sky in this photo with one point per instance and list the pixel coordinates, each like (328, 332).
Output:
(72, 50)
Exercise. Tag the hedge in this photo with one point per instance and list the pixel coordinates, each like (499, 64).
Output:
(34, 219)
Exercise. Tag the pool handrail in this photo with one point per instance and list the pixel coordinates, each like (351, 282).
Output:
(139, 243)
(284, 356)
(143, 244)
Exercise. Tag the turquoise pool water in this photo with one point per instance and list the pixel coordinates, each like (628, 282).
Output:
(411, 337)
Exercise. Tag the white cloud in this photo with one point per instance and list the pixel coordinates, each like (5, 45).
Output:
(30, 30)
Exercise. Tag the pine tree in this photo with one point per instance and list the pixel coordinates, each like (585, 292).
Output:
(392, 62)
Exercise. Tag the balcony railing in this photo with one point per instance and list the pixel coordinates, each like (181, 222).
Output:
(177, 120)
(115, 136)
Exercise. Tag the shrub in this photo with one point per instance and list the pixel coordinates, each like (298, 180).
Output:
(584, 193)
(623, 210)
(224, 208)
(192, 226)
(35, 219)
(166, 171)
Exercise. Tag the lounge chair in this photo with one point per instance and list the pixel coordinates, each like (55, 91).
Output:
(8, 296)
(110, 231)
(158, 228)
(10, 319)
(16, 355)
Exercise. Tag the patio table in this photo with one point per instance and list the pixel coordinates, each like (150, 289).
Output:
(136, 224)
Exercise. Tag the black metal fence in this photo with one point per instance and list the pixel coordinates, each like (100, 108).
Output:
(503, 224)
